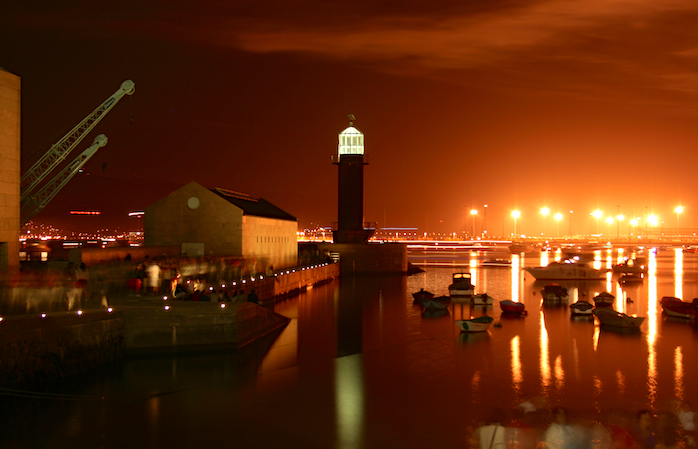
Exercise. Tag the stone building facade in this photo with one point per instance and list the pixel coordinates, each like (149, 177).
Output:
(221, 222)
(10, 92)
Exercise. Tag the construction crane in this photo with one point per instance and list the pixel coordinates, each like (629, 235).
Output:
(60, 150)
(35, 203)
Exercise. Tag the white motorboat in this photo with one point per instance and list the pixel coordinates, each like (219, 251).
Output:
(482, 299)
(630, 266)
(461, 285)
(566, 270)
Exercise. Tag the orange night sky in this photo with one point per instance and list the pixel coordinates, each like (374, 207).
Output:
(573, 105)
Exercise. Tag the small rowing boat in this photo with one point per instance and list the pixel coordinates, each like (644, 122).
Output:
(479, 324)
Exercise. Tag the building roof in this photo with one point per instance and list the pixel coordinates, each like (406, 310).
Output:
(253, 206)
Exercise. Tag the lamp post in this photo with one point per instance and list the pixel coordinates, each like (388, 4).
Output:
(653, 220)
(609, 220)
(544, 212)
(473, 212)
(516, 214)
(570, 224)
(678, 211)
(633, 222)
(620, 218)
(558, 217)
(484, 222)
(598, 214)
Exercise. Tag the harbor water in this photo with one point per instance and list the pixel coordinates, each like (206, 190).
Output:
(361, 366)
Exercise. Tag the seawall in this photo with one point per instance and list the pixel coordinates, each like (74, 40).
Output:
(35, 349)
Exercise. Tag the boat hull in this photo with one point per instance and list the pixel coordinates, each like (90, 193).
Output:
(475, 325)
(461, 285)
(581, 308)
(461, 291)
(604, 299)
(437, 303)
(482, 299)
(561, 271)
(609, 317)
(675, 307)
(509, 306)
(554, 293)
(422, 295)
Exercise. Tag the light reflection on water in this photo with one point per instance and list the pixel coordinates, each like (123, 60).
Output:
(361, 366)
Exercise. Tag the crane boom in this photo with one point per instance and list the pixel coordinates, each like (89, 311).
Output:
(60, 150)
(34, 204)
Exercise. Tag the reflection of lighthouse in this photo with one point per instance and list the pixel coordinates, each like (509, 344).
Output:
(350, 159)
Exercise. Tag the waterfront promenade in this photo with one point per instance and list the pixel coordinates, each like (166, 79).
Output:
(48, 339)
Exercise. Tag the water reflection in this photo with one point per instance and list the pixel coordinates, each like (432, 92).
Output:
(517, 374)
(544, 354)
(349, 397)
(678, 373)
(359, 362)
(678, 273)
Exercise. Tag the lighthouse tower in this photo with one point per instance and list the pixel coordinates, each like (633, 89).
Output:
(350, 205)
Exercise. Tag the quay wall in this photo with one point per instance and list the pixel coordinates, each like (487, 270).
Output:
(35, 350)
(291, 281)
(185, 326)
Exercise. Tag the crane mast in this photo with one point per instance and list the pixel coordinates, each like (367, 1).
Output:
(34, 204)
(60, 150)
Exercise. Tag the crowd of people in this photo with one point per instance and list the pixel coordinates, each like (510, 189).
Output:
(195, 279)
(64, 285)
(532, 425)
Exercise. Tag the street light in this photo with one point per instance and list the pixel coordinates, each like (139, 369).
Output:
(473, 212)
(678, 211)
(544, 212)
(516, 214)
(598, 214)
(653, 220)
(609, 220)
(558, 217)
(620, 218)
(570, 233)
(484, 222)
(633, 222)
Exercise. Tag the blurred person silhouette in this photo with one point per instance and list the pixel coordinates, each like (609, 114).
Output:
(252, 297)
(493, 433)
(642, 432)
(561, 435)
(686, 417)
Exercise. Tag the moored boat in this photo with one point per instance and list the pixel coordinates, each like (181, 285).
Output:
(677, 308)
(437, 302)
(482, 299)
(610, 317)
(604, 299)
(566, 270)
(631, 278)
(497, 263)
(461, 285)
(629, 266)
(554, 292)
(421, 295)
(580, 308)
(479, 324)
(509, 306)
